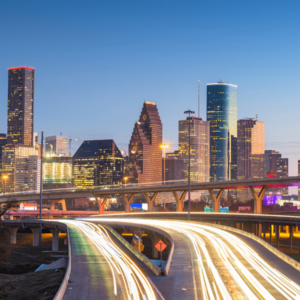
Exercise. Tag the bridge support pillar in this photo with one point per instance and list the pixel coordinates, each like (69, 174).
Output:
(259, 229)
(271, 233)
(13, 235)
(216, 199)
(277, 236)
(179, 200)
(101, 204)
(63, 204)
(127, 202)
(150, 201)
(55, 239)
(36, 236)
(291, 236)
(258, 199)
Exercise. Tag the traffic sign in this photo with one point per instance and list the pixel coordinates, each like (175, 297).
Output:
(160, 246)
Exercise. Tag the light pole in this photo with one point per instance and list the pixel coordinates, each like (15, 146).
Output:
(189, 112)
(5, 177)
(164, 146)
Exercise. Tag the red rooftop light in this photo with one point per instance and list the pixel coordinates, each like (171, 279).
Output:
(16, 68)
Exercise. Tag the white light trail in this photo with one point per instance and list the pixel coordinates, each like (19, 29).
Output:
(136, 284)
(224, 242)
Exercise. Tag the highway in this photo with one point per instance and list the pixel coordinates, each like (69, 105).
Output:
(114, 275)
(226, 267)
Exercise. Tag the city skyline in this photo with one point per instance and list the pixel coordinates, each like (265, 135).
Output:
(263, 88)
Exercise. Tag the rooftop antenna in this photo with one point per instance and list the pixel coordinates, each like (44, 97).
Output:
(198, 98)
(256, 116)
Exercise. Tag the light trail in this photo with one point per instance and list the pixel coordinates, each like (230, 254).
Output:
(223, 243)
(136, 284)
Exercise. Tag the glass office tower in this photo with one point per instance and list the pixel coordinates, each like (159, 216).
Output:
(222, 114)
(97, 162)
(20, 106)
(199, 150)
(250, 153)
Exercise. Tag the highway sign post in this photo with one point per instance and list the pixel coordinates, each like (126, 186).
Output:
(160, 246)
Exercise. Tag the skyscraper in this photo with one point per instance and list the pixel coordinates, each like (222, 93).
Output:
(271, 157)
(98, 162)
(250, 149)
(56, 145)
(250, 152)
(20, 106)
(145, 153)
(57, 170)
(283, 171)
(22, 165)
(3, 142)
(199, 150)
(174, 167)
(222, 115)
(298, 175)
(275, 165)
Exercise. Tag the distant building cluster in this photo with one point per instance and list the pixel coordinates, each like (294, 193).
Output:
(222, 148)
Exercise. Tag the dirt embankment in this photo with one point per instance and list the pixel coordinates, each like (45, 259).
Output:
(18, 281)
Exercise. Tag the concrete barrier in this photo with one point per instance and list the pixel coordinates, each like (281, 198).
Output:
(62, 289)
(272, 249)
(153, 267)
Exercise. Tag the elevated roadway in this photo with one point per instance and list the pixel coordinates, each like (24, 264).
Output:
(220, 264)
(209, 262)
(102, 193)
(260, 225)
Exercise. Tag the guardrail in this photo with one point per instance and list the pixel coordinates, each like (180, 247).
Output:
(272, 249)
(63, 287)
(165, 270)
(153, 267)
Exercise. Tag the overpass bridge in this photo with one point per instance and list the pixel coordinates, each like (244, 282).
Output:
(151, 190)
(246, 261)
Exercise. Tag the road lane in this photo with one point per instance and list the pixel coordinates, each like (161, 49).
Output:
(118, 276)
(250, 273)
(90, 273)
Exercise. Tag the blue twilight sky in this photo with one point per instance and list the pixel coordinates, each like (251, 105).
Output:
(97, 61)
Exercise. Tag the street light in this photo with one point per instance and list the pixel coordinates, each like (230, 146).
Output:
(164, 146)
(5, 177)
(189, 112)
(125, 179)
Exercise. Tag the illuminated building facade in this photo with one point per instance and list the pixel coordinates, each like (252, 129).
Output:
(3, 142)
(145, 154)
(20, 106)
(98, 162)
(57, 170)
(277, 166)
(56, 145)
(250, 153)
(271, 158)
(22, 165)
(222, 115)
(299, 175)
(200, 149)
(283, 171)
